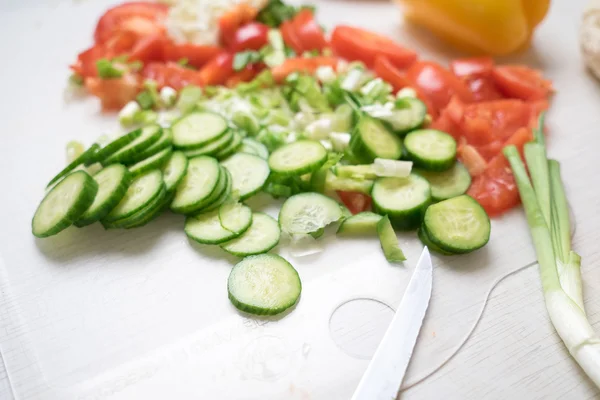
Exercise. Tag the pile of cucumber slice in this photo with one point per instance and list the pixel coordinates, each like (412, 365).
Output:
(204, 167)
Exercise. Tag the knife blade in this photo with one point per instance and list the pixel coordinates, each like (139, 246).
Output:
(385, 373)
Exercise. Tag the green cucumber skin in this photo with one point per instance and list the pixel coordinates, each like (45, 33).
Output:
(155, 205)
(109, 205)
(354, 225)
(363, 153)
(232, 147)
(413, 102)
(137, 170)
(389, 241)
(86, 158)
(424, 162)
(424, 238)
(212, 148)
(201, 203)
(84, 200)
(408, 220)
(223, 196)
(127, 156)
(163, 142)
(193, 146)
(112, 218)
(117, 144)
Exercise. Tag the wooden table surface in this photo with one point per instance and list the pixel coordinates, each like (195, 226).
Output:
(514, 352)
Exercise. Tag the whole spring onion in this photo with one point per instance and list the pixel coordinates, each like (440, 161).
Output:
(545, 205)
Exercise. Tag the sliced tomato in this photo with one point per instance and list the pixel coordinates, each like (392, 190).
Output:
(251, 36)
(483, 89)
(486, 122)
(521, 82)
(197, 55)
(472, 160)
(141, 18)
(232, 20)
(437, 84)
(171, 74)
(308, 32)
(148, 49)
(354, 43)
(290, 38)
(114, 93)
(355, 202)
(496, 190)
(472, 67)
(245, 75)
(217, 70)
(384, 69)
(301, 64)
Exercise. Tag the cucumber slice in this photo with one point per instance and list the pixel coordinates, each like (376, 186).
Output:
(306, 213)
(403, 199)
(150, 135)
(154, 162)
(332, 182)
(88, 157)
(457, 225)
(262, 235)
(64, 204)
(424, 238)
(199, 183)
(142, 191)
(447, 184)
(198, 129)
(206, 228)
(409, 114)
(174, 170)
(298, 158)
(141, 217)
(389, 241)
(165, 140)
(113, 182)
(213, 147)
(220, 195)
(232, 147)
(117, 144)
(364, 223)
(253, 146)
(235, 217)
(430, 149)
(264, 285)
(372, 140)
(249, 173)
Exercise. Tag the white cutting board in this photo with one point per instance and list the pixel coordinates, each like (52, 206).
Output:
(144, 313)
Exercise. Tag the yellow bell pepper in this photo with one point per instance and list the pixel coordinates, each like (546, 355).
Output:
(494, 27)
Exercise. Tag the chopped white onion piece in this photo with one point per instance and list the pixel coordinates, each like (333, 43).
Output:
(339, 140)
(392, 168)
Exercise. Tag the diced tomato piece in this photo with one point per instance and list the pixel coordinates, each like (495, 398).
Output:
(483, 89)
(359, 44)
(471, 159)
(232, 20)
(290, 38)
(437, 84)
(251, 36)
(384, 69)
(496, 190)
(148, 49)
(114, 93)
(301, 64)
(172, 75)
(141, 18)
(245, 75)
(355, 202)
(197, 55)
(218, 70)
(494, 120)
(472, 67)
(520, 82)
(308, 32)
(450, 118)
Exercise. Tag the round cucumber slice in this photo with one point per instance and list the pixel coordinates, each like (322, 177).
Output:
(165, 140)
(150, 135)
(235, 217)
(206, 228)
(298, 158)
(223, 196)
(154, 162)
(447, 184)
(113, 182)
(457, 225)
(372, 140)
(64, 204)
(142, 191)
(174, 170)
(231, 148)
(249, 173)
(199, 183)
(212, 148)
(117, 144)
(264, 285)
(363, 223)
(198, 129)
(430, 149)
(253, 146)
(404, 200)
(88, 157)
(262, 235)
(307, 213)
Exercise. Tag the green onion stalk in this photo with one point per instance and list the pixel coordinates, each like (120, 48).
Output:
(545, 203)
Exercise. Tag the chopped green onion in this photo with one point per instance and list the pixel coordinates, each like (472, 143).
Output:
(145, 100)
(145, 117)
(276, 12)
(128, 113)
(188, 97)
(243, 58)
(326, 74)
(74, 150)
(392, 168)
(168, 97)
(340, 140)
(184, 62)
(274, 52)
(107, 70)
(327, 144)
(406, 92)
(76, 79)
(376, 90)
(355, 79)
